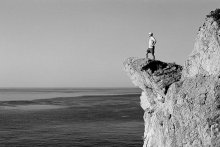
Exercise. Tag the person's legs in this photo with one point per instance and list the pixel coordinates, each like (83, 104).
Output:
(153, 56)
(147, 53)
(153, 53)
(150, 50)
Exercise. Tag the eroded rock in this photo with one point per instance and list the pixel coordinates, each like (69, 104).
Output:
(182, 107)
(205, 58)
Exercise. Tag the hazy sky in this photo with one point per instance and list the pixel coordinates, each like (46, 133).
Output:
(83, 43)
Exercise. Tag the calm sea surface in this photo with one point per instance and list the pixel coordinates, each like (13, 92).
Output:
(70, 118)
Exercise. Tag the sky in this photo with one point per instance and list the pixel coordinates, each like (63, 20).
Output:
(83, 43)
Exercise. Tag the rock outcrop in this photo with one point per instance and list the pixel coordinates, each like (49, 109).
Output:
(205, 58)
(182, 104)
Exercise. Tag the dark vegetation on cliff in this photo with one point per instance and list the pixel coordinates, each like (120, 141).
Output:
(215, 15)
(157, 67)
(163, 74)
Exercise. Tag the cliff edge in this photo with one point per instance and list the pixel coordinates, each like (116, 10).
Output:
(182, 104)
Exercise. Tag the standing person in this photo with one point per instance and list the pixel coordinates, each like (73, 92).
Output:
(151, 47)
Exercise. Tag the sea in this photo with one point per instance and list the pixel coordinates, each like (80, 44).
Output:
(71, 117)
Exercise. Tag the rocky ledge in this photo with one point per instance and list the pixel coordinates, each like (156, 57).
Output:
(182, 104)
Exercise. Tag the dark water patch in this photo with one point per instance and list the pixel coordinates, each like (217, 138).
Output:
(92, 121)
(84, 134)
(70, 100)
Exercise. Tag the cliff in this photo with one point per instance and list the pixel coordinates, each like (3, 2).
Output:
(182, 104)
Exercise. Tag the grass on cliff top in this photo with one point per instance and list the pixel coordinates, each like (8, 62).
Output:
(215, 15)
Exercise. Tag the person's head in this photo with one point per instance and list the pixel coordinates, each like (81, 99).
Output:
(150, 34)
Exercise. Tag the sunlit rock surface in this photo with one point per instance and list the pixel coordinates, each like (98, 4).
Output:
(182, 105)
(205, 57)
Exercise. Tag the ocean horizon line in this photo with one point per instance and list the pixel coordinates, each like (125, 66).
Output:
(3, 88)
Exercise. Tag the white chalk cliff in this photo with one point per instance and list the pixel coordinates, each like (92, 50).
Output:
(182, 104)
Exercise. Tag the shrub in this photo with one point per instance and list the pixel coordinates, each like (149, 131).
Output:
(215, 15)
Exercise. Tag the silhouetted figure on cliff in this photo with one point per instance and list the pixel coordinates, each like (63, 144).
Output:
(151, 46)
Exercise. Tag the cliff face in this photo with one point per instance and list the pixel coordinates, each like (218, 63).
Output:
(205, 58)
(182, 105)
